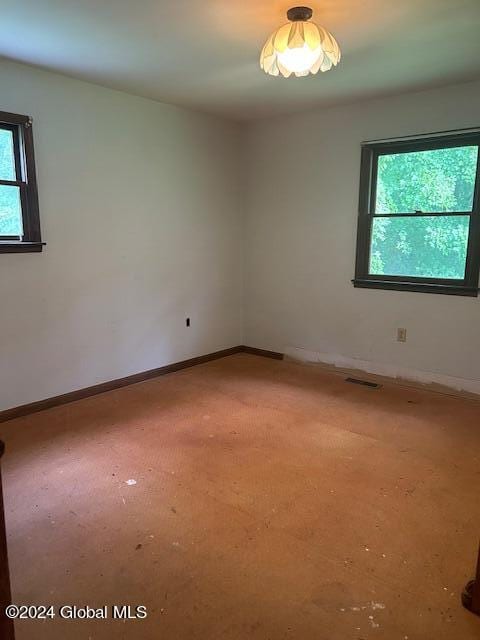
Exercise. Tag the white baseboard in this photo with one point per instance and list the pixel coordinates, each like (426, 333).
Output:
(385, 370)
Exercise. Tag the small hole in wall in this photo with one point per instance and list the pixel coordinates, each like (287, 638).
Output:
(187, 322)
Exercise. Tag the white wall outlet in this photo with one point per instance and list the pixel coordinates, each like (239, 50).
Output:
(401, 335)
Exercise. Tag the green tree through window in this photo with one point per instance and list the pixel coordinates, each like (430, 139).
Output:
(418, 210)
(10, 208)
(440, 180)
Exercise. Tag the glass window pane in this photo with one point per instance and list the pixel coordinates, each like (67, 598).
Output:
(7, 158)
(423, 246)
(442, 180)
(10, 211)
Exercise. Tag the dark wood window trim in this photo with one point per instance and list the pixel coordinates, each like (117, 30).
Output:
(31, 241)
(469, 286)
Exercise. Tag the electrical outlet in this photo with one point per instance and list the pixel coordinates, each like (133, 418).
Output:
(401, 335)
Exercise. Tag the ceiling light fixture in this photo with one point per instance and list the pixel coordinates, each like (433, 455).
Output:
(299, 47)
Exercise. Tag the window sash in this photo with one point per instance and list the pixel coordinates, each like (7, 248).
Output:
(413, 277)
(17, 153)
(23, 208)
(412, 148)
(19, 177)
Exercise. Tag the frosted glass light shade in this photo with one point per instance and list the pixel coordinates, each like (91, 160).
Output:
(299, 47)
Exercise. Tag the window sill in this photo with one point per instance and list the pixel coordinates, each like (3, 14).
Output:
(10, 246)
(420, 287)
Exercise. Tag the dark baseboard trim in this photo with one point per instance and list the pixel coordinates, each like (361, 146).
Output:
(41, 405)
(80, 394)
(275, 355)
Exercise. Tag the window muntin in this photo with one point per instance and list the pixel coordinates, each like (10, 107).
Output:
(419, 220)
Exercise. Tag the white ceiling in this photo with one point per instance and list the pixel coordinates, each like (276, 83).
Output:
(204, 53)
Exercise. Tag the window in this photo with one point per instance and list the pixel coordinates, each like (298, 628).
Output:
(419, 215)
(19, 219)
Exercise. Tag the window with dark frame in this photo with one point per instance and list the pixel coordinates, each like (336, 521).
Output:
(19, 215)
(419, 215)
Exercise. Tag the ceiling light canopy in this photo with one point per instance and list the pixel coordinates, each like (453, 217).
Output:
(299, 47)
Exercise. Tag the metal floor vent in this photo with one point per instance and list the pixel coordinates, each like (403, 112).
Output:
(365, 383)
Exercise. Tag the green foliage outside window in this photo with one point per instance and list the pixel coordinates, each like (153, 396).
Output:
(436, 181)
(10, 208)
(10, 211)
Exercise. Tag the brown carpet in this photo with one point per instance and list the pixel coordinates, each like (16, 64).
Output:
(272, 501)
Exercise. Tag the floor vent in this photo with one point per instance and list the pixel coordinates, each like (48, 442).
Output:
(365, 383)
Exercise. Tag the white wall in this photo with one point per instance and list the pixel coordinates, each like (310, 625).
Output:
(300, 245)
(140, 207)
